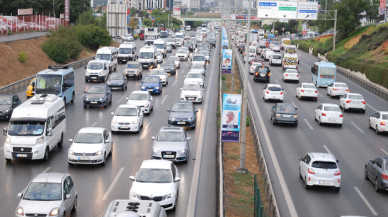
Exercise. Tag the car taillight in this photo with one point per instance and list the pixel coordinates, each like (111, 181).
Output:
(320, 76)
(269, 74)
(281, 93)
(267, 92)
(348, 101)
(302, 91)
(385, 177)
(337, 173)
(286, 74)
(316, 91)
(382, 123)
(256, 74)
(323, 114)
(348, 90)
(311, 171)
(335, 89)
(333, 77)
(363, 102)
(341, 115)
(297, 75)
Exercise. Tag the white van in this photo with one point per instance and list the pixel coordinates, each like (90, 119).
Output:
(126, 52)
(179, 37)
(134, 208)
(188, 28)
(97, 70)
(147, 56)
(199, 59)
(109, 54)
(36, 127)
(161, 46)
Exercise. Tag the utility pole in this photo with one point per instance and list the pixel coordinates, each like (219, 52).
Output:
(233, 45)
(335, 28)
(242, 168)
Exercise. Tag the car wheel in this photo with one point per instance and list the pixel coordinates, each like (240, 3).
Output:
(377, 188)
(366, 173)
(370, 126)
(72, 99)
(104, 160)
(319, 121)
(273, 121)
(75, 205)
(300, 174)
(60, 143)
(377, 130)
(8, 160)
(339, 125)
(46, 155)
(85, 106)
(306, 186)
(337, 189)
(363, 111)
(123, 88)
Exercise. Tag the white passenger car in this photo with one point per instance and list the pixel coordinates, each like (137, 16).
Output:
(163, 76)
(320, 169)
(306, 90)
(157, 181)
(91, 145)
(142, 99)
(275, 59)
(379, 121)
(194, 77)
(192, 92)
(290, 75)
(273, 92)
(253, 67)
(352, 101)
(127, 118)
(337, 89)
(329, 113)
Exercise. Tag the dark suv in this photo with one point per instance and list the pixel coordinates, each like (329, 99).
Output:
(262, 73)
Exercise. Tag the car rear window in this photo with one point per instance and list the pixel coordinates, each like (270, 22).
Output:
(324, 165)
(277, 57)
(263, 69)
(286, 108)
(341, 85)
(274, 88)
(309, 86)
(331, 108)
(355, 97)
(384, 117)
(292, 71)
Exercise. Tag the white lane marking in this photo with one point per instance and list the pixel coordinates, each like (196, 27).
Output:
(277, 81)
(1, 148)
(80, 96)
(320, 94)
(94, 124)
(306, 65)
(164, 98)
(195, 180)
(121, 98)
(294, 104)
(308, 124)
(357, 127)
(175, 82)
(283, 185)
(371, 107)
(385, 152)
(145, 131)
(366, 201)
(44, 171)
(285, 92)
(327, 149)
(113, 183)
(47, 169)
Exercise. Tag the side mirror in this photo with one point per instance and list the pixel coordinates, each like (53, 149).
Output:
(282, 88)
(188, 138)
(168, 110)
(337, 161)
(84, 91)
(296, 108)
(20, 195)
(126, 98)
(271, 106)
(148, 73)
(70, 140)
(151, 98)
(312, 69)
(107, 141)
(132, 178)
(153, 138)
(111, 59)
(5, 131)
(196, 110)
(85, 67)
(181, 88)
(177, 179)
(202, 89)
(105, 68)
(184, 76)
(301, 158)
(112, 113)
(68, 196)
(50, 132)
(141, 81)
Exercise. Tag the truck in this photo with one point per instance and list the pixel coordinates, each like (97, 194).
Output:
(151, 34)
(253, 37)
(261, 33)
(270, 37)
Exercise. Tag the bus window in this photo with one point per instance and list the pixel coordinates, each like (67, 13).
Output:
(48, 84)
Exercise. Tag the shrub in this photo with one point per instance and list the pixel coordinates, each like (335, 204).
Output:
(23, 56)
(135, 36)
(92, 36)
(62, 44)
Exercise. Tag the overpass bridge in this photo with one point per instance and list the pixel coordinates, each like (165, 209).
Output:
(215, 17)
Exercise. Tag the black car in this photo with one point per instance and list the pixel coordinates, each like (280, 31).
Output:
(117, 81)
(377, 171)
(98, 95)
(189, 46)
(169, 67)
(182, 114)
(241, 46)
(284, 113)
(212, 42)
(262, 73)
(7, 104)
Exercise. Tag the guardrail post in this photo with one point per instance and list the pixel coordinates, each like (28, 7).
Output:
(270, 204)
(267, 192)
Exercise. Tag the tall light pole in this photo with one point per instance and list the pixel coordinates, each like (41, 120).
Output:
(242, 168)
(53, 9)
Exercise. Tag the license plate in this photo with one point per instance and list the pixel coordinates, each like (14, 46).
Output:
(332, 119)
(114, 88)
(93, 102)
(262, 75)
(21, 155)
(286, 116)
(356, 102)
(168, 156)
(191, 98)
(94, 77)
(124, 127)
(130, 75)
(324, 182)
(150, 90)
(84, 158)
(145, 65)
(182, 122)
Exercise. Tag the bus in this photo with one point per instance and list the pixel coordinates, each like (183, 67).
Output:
(57, 80)
(182, 28)
(324, 73)
(141, 34)
(163, 35)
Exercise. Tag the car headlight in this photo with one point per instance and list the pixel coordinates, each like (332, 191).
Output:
(70, 152)
(157, 88)
(86, 99)
(40, 140)
(114, 122)
(54, 212)
(100, 98)
(277, 115)
(182, 151)
(135, 122)
(20, 211)
(6, 111)
(133, 194)
(146, 105)
(102, 72)
(295, 116)
(142, 87)
(156, 151)
(172, 118)
(98, 153)
(8, 140)
(168, 196)
(87, 72)
(189, 119)
(28, 88)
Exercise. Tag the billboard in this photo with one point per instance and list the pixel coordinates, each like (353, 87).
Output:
(22, 12)
(231, 112)
(382, 7)
(277, 9)
(246, 4)
(67, 10)
(227, 61)
(308, 10)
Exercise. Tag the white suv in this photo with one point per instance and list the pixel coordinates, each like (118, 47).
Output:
(320, 169)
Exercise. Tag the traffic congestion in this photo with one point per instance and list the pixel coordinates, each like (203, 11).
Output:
(123, 124)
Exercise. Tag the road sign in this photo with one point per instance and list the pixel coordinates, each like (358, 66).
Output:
(152, 20)
(277, 9)
(171, 24)
(128, 11)
(308, 10)
(304, 32)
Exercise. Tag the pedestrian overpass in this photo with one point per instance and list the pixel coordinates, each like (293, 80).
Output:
(214, 17)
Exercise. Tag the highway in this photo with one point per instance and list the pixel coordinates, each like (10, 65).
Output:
(353, 145)
(98, 185)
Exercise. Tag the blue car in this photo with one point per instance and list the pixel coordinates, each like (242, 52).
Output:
(152, 84)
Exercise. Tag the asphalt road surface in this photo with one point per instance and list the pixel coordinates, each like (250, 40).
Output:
(129, 150)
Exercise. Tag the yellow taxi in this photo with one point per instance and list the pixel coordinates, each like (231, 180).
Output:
(30, 92)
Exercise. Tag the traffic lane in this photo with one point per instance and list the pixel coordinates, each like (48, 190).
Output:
(285, 142)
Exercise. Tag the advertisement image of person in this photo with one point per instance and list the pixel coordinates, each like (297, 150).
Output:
(231, 120)
(226, 63)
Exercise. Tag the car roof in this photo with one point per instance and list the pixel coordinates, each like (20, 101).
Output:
(150, 164)
(171, 129)
(322, 156)
(329, 104)
(198, 54)
(50, 177)
(183, 102)
(286, 104)
(274, 85)
(127, 106)
(307, 83)
(140, 91)
(91, 130)
(354, 94)
(97, 85)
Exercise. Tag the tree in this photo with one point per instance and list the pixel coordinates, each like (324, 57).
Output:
(133, 12)
(293, 26)
(132, 23)
(99, 9)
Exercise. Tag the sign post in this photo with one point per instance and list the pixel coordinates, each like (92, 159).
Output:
(67, 11)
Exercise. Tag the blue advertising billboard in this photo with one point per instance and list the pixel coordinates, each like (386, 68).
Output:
(227, 61)
(231, 112)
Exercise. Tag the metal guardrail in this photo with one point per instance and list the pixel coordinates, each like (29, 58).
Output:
(22, 84)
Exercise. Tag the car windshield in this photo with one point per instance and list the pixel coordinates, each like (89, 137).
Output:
(286, 108)
(43, 191)
(151, 80)
(125, 50)
(324, 165)
(194, 75)
(331, 108)
(163, 34)
(173, 58)
(292, 71)
(159, 55)
(355, 97)
(102, 56)
(170, 40)
(204, 52)
(341, 85)
(95, 66)
(138, 96)
(126, 112)
(192, 87)
(154, 175)
(199, 58)
(327, 71)
(171, 136)
(181, 51)
(5, 100)
(182, 107)
(262, 46)
(179, 36)
(157, 72)
(116, 76)
(274, 88)
(48, 84)
(150, 37)
(168, 63)
(88, 138)
(311, 86)
(159, 46)
(146, 55)
(132, 66)
(251, 55)
(26, 128)
(278, 57)
(97, 90)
